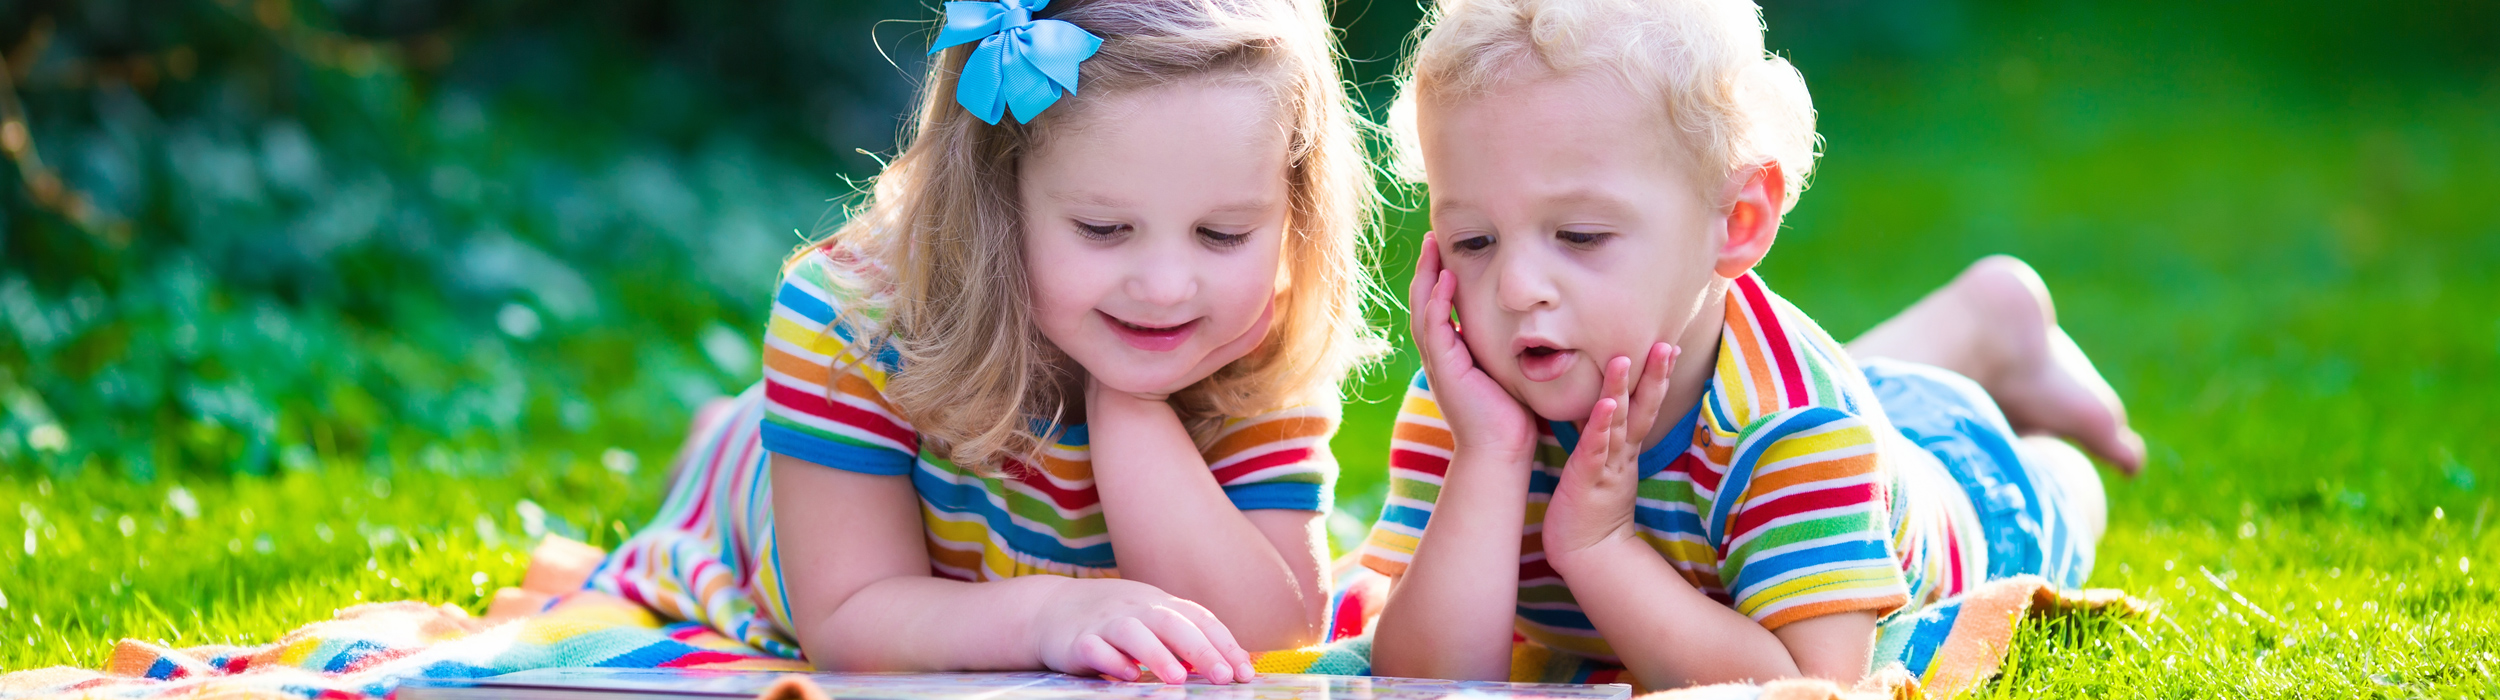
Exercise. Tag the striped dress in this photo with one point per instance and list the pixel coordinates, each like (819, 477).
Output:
(1785, 494)
(710, 554)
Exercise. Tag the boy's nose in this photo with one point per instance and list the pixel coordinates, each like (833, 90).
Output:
(1519, 283)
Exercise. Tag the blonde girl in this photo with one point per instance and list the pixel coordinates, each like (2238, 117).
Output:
(1099, 303)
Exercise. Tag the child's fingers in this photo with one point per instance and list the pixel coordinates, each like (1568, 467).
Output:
(1221, 637)
(1188, 639)
(1440, 336)
(1651, 388)
(1131, 636)
(1097, 656)
(1423, 288)
(1595, 446)
(1614, 379)
(1427, 269)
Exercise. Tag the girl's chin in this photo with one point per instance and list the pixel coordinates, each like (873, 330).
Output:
(1133, 379)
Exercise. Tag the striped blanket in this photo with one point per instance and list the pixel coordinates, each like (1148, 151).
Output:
(365, 651)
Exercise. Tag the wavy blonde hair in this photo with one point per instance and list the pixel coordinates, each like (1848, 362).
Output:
(1701, 61)
(932, 253)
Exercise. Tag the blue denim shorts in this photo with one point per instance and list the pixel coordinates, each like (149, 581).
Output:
(2021, 508)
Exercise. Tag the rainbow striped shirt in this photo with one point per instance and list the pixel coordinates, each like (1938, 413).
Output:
(1785, 493)
(825, 404)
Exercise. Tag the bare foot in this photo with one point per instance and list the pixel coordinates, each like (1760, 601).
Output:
(1996, 324)
(560, 565)
(2038, 375)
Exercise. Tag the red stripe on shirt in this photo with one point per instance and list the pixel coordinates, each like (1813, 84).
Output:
(1419, 462)
(1226, 476)
(1759, 512)
(1783, 358)
(793, 398)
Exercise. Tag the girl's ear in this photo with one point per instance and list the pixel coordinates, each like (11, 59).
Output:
(1754, 221)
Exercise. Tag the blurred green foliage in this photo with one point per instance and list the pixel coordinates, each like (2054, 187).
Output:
(404, 232)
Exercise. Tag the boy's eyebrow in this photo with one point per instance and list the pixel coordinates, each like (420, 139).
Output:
(1600, 199)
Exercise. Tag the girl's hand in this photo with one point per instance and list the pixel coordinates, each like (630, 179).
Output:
(1109, 627)
(1482, 416)
(1593, 503)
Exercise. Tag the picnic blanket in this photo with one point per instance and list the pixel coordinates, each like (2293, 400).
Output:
(366, 650)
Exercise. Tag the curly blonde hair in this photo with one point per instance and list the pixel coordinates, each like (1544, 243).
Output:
(933, 250)
(1701, 61)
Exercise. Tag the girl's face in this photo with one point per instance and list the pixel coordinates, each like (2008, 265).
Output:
(1154, 225)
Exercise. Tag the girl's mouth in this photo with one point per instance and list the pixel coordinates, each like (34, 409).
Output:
(1541, 363)
(1150, 338)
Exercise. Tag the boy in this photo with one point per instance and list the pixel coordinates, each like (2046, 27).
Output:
(1712, 489)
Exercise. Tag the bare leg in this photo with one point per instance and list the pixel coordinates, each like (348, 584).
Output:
(1996, 324)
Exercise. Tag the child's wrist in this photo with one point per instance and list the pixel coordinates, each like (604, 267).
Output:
(1595, 557)
(1494, 453)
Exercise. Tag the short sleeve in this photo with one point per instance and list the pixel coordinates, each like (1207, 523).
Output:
(824, 402)
(1419, 454)
(1804, 519)
(1278, 460)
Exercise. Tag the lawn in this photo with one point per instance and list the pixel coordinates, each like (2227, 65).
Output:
(2276, 236)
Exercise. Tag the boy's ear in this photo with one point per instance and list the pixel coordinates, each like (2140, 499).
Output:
(1754, 221)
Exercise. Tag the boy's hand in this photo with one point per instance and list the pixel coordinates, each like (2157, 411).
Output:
(1593, 503)
(1109, 627)
(1482, 417)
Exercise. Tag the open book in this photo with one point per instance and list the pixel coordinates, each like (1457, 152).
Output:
(622, 684)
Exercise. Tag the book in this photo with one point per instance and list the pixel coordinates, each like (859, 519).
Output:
(658, 684)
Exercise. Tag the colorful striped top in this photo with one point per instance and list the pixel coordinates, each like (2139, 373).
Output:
(826, 404)
(1784, 494)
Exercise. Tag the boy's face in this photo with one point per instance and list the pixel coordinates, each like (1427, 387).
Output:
(1576, 235)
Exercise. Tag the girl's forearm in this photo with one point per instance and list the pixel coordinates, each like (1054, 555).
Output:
(1665, 631)
(1174, 528)
(924, 623)
(1450, 615)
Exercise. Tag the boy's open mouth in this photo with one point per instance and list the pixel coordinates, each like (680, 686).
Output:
(1150, 338)
(1544, 363)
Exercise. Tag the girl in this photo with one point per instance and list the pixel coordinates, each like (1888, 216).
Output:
(1063, 323)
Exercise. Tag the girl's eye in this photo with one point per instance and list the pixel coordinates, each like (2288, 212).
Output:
(1579, 237)
(1472, 244)
(1221, 238)
(1099, 231)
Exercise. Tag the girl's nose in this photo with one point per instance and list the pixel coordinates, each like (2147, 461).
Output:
(1162, 277)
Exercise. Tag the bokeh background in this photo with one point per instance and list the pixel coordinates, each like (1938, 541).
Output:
(317, 301)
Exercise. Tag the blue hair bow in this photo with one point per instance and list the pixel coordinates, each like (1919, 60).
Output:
(1022, 63)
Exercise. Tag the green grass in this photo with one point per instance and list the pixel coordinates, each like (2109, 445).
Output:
(2283, 264)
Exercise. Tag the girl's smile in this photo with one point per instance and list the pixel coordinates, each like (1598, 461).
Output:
(1151, 338)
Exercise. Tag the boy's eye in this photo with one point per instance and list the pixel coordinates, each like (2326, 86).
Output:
(1473, 243)
(1099, 231)
(1579, 237)
(1221, 238)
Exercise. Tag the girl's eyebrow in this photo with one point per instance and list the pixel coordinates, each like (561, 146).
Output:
(1097, 199)
(1093, 199)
